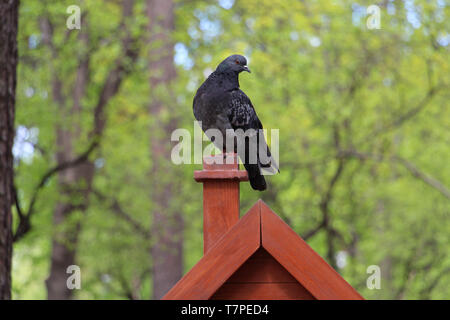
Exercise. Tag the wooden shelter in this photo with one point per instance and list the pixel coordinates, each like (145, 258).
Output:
(255, 257)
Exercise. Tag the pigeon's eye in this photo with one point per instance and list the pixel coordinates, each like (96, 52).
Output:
(237, 61)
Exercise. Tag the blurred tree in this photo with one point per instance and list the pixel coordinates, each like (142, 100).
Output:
(9, 11)
(167, 222)
(75, 182)
(363, 118)
(75, 171)
(355, 108)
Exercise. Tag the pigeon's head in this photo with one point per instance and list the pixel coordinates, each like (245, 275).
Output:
(235, 63)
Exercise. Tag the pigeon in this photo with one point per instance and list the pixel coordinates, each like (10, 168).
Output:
(221, 105)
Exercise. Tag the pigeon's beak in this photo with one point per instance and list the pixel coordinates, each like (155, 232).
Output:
(247, 69)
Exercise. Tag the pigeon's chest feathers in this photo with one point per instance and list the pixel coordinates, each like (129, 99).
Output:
(212, 101)
(215, 95)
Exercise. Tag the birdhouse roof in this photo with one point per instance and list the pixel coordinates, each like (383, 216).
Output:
(260, 229)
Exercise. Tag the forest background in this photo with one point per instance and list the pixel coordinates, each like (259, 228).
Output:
(363, 115)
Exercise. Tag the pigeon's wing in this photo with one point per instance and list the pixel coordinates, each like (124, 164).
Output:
(242, 115)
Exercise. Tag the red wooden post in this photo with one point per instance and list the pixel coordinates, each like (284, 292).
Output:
(220, 177)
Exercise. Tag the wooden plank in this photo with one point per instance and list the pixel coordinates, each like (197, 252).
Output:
(262, 291)
(205, 175)
(297, 257)
(221, 261)
(261, 268)
(261, 254)
(220, 210)
(220, 177)
(224, 161)
(221, 166)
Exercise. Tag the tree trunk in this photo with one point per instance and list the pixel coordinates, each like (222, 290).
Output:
(74, 183)
(8, 64)
(167, 223)
(64, 243)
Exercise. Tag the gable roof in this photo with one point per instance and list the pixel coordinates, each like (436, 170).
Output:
(262, 277)
(262, 228)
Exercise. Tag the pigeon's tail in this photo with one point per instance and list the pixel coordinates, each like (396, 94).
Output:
(271, 167)
(256, 163)
(266, 161)
(255, 177)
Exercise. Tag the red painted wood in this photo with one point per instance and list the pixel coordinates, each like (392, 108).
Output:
(262, 277)
(261, 267)
(220, 210)
(262, 291)
(221, 261)
(220, 167)
(257, 257)
(261, 254)
(205, 175)
(302, 262)
(220, 177)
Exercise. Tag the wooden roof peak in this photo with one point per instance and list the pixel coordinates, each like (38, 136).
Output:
(261, 228)
(229, 241)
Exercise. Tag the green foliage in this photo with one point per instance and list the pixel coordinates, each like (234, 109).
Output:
(373, 103)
